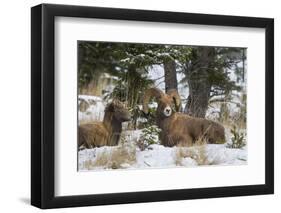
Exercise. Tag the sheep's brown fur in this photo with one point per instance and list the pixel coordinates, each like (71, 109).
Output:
(179, 128)
(183, 130)
(107, 132)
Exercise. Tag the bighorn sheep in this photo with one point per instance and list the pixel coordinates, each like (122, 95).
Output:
(179, 128)
(107, 132)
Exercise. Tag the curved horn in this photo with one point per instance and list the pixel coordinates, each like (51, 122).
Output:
(152, 92)
(176, 97)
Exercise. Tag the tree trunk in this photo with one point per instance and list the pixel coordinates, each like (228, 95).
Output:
(197, 73)
(243, 65)
(170, 75)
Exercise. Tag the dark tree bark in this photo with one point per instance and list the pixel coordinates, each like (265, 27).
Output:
(243, 66)
(197, 73)
(170, 75)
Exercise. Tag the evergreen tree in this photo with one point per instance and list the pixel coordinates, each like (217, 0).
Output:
(207, 74)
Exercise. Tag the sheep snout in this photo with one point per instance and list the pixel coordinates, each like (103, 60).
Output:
(167, 111)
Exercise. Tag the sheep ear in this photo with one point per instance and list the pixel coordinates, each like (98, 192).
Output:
(177, 105)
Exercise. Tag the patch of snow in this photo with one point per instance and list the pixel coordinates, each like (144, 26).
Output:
(89, 97)
(149, 51)
(221, 155)
(132, 135)
(156, 156)
(188, 162)
(163, 54)
(125, 60)
(95, 111)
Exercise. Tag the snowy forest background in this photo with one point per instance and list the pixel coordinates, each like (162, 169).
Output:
(211, 82)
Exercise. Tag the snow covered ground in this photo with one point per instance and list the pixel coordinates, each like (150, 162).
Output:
(129, 156)
(157, 156)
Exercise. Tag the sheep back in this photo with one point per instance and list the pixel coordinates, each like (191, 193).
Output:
(182, 129)
(92, 135)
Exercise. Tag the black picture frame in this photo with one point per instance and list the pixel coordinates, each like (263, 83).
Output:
(43, 102)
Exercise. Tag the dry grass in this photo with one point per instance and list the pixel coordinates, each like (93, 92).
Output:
(85, 121)
(113, 158)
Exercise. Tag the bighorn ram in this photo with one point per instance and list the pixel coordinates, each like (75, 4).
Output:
(107, 132)
(179, 128)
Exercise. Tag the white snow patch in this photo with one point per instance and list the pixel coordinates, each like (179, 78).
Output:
(95, 111)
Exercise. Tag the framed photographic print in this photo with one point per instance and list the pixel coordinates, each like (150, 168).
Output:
(140, 106)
